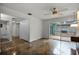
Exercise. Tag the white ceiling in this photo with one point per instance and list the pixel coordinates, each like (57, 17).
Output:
(5, 17)
(42, 10)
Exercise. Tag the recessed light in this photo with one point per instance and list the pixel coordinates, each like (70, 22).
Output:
(13, 18)
(29, 13)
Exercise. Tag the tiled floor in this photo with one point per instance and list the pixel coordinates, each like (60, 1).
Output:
(38, 47)
(22, 47)
(62, 47)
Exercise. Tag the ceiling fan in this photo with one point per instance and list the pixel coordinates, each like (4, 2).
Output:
(56, 11)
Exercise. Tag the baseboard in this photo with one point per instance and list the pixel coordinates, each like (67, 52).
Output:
(34, 40)
(44, 38)
(25, 40)
(38, 39)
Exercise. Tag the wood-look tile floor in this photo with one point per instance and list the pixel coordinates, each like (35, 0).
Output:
(21, 47)
(38, 47)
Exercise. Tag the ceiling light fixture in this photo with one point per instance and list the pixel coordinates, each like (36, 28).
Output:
(29, 13)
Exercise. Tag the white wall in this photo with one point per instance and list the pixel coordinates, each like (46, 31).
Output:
(35, 24)
(24, 30)
(35, 29)
(45, 33)
(17, 14)
(31, 29)
(12, 12)
(14, 33)
(10, 29)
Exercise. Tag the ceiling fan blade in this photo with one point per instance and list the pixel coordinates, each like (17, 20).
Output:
(62, 10)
